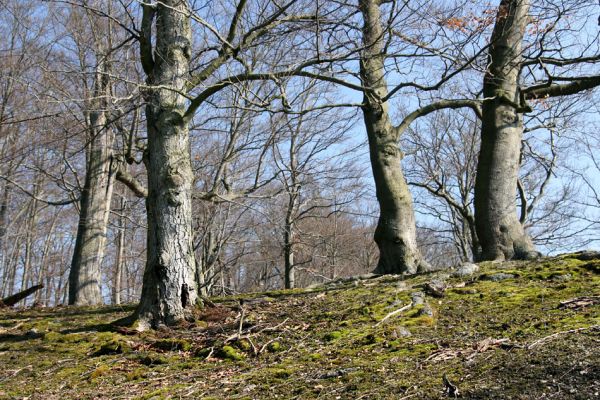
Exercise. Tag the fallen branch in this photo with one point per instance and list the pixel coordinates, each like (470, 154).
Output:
(557, 334)
(15, 298)
(248, 332)
(580, 302)
(12, 328)
(398, 311)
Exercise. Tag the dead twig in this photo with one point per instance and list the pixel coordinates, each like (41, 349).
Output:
(264, 346)
(12, 328)
(398, 311)
(548, 338)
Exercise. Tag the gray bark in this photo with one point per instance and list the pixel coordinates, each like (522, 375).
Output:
(85, 274)
(395, 234)
(118, 272)
(291, 211)
(288, 255)
(169, 290)
(499, 230)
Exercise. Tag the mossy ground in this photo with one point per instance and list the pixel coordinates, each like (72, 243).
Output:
(328, 343)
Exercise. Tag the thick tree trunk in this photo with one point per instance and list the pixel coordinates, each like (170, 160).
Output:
(395, 234)
(85, 274)
(500, 232)
(169, 290)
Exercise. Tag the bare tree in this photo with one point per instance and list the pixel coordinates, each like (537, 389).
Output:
(309, 150)
(500, 232)
(96, 195)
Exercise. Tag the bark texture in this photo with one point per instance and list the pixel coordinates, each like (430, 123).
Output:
(396, 231)
(169, 290)
(500, 232)
(85, 273)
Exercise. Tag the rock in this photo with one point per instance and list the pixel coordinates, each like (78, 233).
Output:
(401, 331)
(466, 269)
(500, 276)
(426, 310)
(435, 288)
(562, 278)
(337, 373)
(249, 388)
(417, 298)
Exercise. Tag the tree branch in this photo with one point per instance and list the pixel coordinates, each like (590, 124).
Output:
(146, 57)
(475, 105)
(576, 86)
(131, 182)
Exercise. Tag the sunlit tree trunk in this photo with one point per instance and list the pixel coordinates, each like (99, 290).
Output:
(85, 273)
(169, 289)
(396, 230)
(499, 230)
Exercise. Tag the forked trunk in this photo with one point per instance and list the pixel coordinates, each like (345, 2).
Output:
(500, 232)
(396, 231)
(169, 290)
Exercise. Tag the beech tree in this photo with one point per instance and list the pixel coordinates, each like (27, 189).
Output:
(96, 194)
(500, 232)
(174, 92)
(396, 230)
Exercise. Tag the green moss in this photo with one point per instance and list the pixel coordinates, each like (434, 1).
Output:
(275, 347)
(332, 336)
(101, 370)
(203, 352)
(229, 353)
(421, 320)
(135, 375)
(279, 373)
(53, 336)
(243, 345)
(593, 266)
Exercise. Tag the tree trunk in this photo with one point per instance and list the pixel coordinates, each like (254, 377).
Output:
(395, 234)
(30, 226)
(85, 274)
(118, 272)
(169, 290)
(288, 255)
(500, 232)
(44, 274)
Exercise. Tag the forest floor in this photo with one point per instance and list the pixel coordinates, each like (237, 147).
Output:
(514, 330)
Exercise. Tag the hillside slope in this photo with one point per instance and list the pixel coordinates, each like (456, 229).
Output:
(515, 330)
